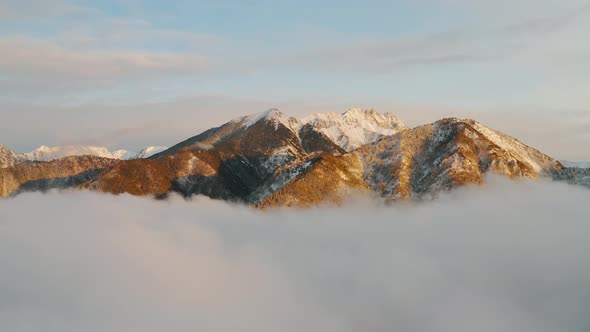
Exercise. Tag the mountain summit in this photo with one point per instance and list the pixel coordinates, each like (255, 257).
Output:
(271, 159)
(7, 157)
(355, 127)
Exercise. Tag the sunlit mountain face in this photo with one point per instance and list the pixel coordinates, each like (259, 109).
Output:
(270, 159)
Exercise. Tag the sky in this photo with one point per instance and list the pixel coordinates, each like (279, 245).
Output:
(511, 258)
(127, 74)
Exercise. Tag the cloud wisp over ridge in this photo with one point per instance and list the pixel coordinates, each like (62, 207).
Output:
(508, 258)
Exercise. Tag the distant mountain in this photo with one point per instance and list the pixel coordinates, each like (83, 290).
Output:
(578, 164)
(271, 159)
(46, 153)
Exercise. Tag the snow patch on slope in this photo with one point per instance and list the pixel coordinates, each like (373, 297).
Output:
(123, 154)
(510, 144)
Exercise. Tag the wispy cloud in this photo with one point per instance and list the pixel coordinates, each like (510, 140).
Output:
(542, 25)
(109, 47)
(378, 55)
(112, 46)
(464, 45)
(35, 58)
(35, 9)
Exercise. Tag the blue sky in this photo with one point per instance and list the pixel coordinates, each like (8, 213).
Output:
(77, 64)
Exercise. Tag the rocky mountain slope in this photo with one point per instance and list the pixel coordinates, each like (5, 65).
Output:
(572, 175)
(7, 157)
(420, 161)
(64, 173)
(270, 159)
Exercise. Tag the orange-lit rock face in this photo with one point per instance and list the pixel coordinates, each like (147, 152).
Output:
(444, 155)
(154, 176)
(62, 173)
(328, 180)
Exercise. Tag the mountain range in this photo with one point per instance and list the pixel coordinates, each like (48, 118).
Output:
(270, 159)
(46, 153)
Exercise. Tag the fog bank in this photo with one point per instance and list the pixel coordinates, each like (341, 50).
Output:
(511, 257)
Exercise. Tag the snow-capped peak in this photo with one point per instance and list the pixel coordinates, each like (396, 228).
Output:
(47, 153)
(355, 127)
(350, 130)
(371, 117)
(272, 115)
(251, 119)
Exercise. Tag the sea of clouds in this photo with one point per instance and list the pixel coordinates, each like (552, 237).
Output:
(512, 257)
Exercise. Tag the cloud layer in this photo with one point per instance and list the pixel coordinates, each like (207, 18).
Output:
(508, 258)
